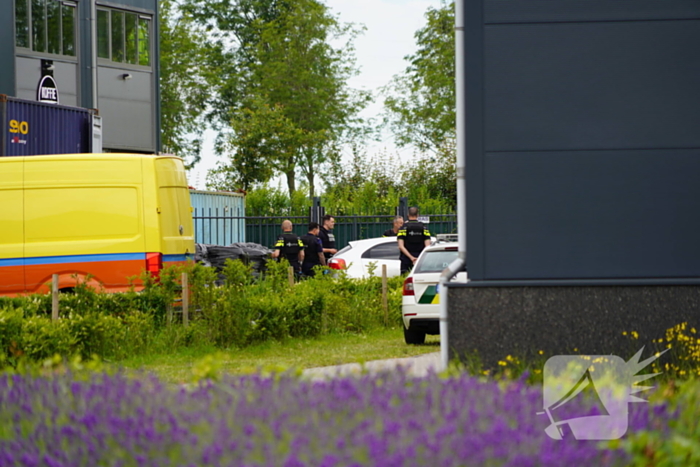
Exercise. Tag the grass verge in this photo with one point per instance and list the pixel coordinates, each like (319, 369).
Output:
(335, 349)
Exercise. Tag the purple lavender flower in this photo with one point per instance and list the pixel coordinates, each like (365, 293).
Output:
(372, 420)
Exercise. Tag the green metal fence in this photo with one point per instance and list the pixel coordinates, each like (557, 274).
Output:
(265, 229)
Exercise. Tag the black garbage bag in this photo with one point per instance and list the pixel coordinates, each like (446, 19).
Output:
(256, 255)
(215, 256)
(201, 253)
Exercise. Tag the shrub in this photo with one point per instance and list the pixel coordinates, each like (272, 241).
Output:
(43, 338)
(240, 312)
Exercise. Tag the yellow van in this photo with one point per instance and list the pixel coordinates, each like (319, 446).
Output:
(107, 216)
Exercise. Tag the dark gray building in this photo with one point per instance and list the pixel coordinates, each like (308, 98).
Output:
(579, 193)
(102, 54)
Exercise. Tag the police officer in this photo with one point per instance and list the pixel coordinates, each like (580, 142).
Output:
(327, 237)
(313, 250)
(412, 238)
(289, 246)
(394, 230)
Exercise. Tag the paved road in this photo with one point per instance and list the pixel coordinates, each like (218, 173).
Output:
(416, 366)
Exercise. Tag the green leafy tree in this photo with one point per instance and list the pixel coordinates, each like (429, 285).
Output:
(281, 76)
(261, 134)
(183, 83)
(420, 103)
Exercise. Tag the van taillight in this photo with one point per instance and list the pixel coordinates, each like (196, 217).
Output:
(154, 263)
(408, 286)
(336, 263)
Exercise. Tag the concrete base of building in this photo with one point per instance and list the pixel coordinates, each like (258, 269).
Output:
(535, 322)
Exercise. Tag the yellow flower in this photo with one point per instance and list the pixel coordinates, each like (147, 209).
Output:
(502, 363)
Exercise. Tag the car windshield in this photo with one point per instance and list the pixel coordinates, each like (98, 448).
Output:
(435, 261)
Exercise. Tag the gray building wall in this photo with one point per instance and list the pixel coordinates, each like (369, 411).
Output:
(582, 146)
(129, 108)
(581, 162)
(65, 74)
(85, 54)
(7, 48)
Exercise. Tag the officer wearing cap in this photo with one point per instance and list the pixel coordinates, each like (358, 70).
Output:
(412, 238)
(289, 246)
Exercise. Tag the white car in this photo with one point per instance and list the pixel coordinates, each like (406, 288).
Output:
(420, 305)
(360, 255)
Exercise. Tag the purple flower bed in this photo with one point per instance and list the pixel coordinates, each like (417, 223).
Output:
(378, 420)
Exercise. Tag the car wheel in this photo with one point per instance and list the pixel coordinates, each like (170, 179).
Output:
(411, 336)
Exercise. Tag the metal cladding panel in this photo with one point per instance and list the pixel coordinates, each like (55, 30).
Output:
(219, 217)
(586, 144)
(34, 128)
(7, 49)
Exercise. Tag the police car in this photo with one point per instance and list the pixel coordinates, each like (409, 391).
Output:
(421, 296)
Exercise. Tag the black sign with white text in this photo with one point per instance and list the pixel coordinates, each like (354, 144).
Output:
(47, 90)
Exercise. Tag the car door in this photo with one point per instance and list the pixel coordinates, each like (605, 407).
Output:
(384, 253)
(12, 221)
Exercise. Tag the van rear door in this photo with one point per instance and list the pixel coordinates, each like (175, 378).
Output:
(175, 216)
(11, 225)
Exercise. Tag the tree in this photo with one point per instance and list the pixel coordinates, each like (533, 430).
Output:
(420, 104)
(260, 134)
(278, 64)
(183, 84)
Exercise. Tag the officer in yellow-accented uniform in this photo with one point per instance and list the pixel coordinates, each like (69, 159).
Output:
(413, 236)
(289, 246)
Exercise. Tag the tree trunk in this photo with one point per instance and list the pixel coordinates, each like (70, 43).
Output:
(310, 179)
(290, 181)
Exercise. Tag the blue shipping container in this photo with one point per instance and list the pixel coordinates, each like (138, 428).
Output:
(35, 128)
(219, 217)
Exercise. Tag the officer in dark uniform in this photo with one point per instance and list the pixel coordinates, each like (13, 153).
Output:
(289, 246)
(327, 237)
(394, 230)
(412, 238)
(313, 250)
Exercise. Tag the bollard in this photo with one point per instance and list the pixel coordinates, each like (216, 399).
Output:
(185, 300)
(385, 301)
(54, 297)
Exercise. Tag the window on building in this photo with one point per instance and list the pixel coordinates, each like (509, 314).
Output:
(103, 33)
(46, 26)
(117, 27)
(144, 41)
(123, 37)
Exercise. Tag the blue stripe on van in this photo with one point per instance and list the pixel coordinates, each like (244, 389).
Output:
(84, 258)
(170, 258)
(11, 262)
(88, 259)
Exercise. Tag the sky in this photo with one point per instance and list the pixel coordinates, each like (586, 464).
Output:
(388, 38)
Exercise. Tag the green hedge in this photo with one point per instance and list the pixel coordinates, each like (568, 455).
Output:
(236, 314)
